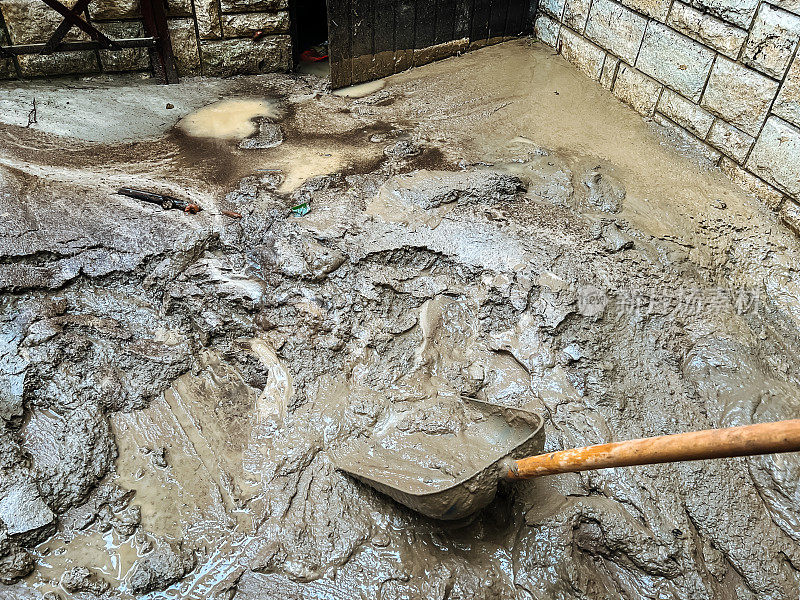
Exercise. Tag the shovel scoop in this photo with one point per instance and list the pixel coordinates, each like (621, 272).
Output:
(451, 477)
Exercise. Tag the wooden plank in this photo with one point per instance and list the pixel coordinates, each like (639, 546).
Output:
(80, 24)
(154, 18)
(425, 25)
(445, 21)
(6, 39)
(64, 27)
(362, 31)
(479, 29)
(20, 49)
(515, 23)
(463, 19)
(404, 19)
(530, 16)
(383, 38)
(497, 21)
(424, 29)
(339, 43)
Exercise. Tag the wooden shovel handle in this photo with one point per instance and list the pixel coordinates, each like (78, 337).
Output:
(766, 438)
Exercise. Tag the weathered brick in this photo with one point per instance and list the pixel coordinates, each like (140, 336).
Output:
(787, 105)
(129, 59)
(616, 29)
(637, 90)
(790, 216)
(61, 63)
(231, 6)
(609, 74)
(546, 30)
(179, 8)
(184, 46)
(772, 41)
(729, 140)
(208, 19)
(776, 156)
(114, 9)
(656, 9)
(790, 5)
(242, 56)
(575, 14)
(7, 69)
(687, 143)
(31, 21)
(724, 38)
(686, 114)
(554, 8)
(752, 184)
(246, 24)
(738, 12)
(675, 60)
(582, 53)
(739, 95)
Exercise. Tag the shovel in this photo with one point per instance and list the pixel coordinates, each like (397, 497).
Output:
(513, 434)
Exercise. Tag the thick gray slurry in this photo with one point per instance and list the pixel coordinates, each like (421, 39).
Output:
(175, 389)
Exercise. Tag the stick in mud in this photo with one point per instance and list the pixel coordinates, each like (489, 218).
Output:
(32, 115)
(164, 201)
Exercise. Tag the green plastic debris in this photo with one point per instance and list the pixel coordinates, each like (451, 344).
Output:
(300, 209)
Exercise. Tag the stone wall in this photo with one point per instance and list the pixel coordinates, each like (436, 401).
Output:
(209, 37)
(722, 75)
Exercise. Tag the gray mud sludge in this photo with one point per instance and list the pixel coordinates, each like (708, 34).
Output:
(175, 389)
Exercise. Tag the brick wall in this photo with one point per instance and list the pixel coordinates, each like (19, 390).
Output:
(723, 75)
(209, 37)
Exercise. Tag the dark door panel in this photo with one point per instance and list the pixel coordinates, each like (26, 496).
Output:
(340, 34)
(370, 39)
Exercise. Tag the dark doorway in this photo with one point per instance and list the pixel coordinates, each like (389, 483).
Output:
(311, 19)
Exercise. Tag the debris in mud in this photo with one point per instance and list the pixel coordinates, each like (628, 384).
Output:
(268, 135)
(15, 563)
(401, 149)
(603, 192)
(24, 513)
(301, 209)
(82, 579)
(164, 566)
(33, 117)
(162, 200)
(614, 239)
(432, 189)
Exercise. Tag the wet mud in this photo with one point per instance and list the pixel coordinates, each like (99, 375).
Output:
(177, 389)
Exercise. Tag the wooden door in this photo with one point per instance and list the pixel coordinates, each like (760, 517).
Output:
(370, 39)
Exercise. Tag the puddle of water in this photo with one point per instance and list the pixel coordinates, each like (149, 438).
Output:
(105, 553)
(299, 164)
(361, 90)
(228, 119)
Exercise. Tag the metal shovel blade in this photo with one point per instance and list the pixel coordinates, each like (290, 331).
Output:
(442, 475)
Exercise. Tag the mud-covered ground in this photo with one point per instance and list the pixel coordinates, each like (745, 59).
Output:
(176, 388)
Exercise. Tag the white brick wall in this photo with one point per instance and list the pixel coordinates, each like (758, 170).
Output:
(723, 76)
